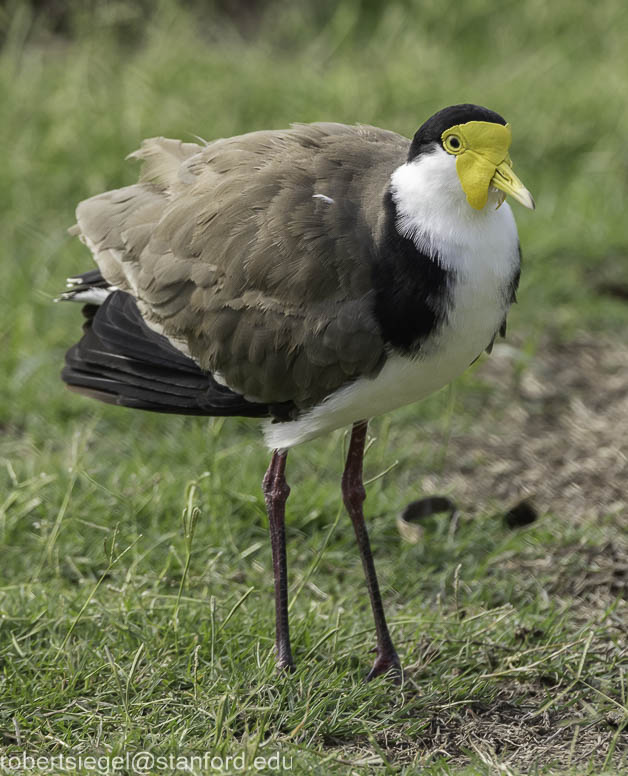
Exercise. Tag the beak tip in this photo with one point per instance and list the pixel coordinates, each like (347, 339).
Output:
(525, 198)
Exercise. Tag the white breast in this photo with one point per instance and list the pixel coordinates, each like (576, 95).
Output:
(480, 247)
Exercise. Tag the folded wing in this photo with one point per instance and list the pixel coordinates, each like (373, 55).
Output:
(252, 255)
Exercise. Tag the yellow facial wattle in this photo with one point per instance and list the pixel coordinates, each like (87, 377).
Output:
(482, 161)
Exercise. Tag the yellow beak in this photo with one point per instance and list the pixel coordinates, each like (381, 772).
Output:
(482, 161)
(505, 180)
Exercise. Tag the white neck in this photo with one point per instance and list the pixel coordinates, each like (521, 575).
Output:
(432, 211)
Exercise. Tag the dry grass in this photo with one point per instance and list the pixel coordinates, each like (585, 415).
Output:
(553, 432)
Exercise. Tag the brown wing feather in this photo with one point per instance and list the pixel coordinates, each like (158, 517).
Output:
(227, 249)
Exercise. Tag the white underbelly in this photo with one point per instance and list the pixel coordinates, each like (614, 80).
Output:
(474, 319)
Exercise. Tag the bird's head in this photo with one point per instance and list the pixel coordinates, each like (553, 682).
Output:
(474, 141)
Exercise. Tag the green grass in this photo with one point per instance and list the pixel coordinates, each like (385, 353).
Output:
(119, 629)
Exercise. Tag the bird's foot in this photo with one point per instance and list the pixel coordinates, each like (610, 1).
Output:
(387, 663)
(284, 664)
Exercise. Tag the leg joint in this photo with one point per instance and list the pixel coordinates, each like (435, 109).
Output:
(276, 492)
(276, 489)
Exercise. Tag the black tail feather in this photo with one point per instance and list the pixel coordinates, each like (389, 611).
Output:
(120, 360)
(92, 278)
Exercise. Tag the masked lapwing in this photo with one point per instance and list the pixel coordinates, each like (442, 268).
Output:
(313, 277)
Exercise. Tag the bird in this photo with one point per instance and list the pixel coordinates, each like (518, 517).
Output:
(313, 277)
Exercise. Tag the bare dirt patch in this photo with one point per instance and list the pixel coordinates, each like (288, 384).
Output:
(508, 735)
(561, 439)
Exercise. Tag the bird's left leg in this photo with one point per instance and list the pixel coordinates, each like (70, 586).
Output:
(353, 494)
(276, 492)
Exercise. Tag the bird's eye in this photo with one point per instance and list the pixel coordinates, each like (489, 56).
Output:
(452, 144)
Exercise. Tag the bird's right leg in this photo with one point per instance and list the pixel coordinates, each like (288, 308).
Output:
(276, 492)
(353, 494)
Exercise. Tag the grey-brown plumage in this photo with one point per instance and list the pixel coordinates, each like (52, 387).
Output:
(252, 253)
(316, 276)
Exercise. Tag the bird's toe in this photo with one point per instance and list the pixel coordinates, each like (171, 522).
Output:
(387, 664)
